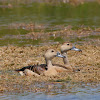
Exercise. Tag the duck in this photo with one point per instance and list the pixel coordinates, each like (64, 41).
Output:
(47, 69)
(65, 47)
(39, 69)
(49, 55)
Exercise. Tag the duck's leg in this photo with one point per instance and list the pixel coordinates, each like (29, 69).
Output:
(28, 72)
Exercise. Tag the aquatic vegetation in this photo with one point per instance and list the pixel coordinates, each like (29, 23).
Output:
(24, 32)
(14, 57)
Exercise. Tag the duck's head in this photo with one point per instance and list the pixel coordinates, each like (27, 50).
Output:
(68, 46)
(51, 53)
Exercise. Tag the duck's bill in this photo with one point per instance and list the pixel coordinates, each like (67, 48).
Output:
(76, 49)
(59, 55)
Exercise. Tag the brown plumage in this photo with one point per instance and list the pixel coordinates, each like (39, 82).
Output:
(40, 69)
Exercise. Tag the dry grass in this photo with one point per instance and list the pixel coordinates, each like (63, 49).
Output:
(13, 57)
(64, 32)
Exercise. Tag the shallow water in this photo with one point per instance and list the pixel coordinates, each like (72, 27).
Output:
(42, 13)
(81, 92)
(47, 17)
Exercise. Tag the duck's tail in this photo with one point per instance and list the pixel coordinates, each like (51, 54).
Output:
(22, 69)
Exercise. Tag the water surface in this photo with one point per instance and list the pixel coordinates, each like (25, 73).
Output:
(60, 92)
(49, 16)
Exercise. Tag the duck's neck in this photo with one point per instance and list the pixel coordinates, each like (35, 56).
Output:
(49, 63)
(65, 59)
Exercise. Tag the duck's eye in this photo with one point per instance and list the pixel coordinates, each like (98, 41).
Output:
(68, 44)
(52, 51)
